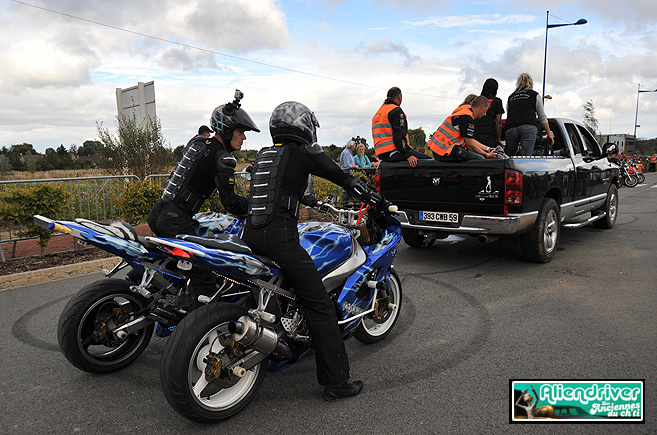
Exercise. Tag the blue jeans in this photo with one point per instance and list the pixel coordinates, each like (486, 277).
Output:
(524, 135)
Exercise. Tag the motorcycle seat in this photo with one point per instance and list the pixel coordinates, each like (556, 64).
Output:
(122, 230)
(225, 242)
(228, 242)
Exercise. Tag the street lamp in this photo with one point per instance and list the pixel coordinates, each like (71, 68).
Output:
(636, 116)
(549, 26)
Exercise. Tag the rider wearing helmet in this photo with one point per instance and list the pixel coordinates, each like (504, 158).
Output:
(206, 165)
(279, 179)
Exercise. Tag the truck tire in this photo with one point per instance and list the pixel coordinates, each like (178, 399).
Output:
(610, 207)
(540, 243)
(415, 240)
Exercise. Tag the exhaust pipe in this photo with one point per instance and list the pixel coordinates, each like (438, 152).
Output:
(248, 333)
(483, 238)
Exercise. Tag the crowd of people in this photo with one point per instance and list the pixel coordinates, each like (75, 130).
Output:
(472, 131)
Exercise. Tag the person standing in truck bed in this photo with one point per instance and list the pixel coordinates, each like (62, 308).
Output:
(523, 106)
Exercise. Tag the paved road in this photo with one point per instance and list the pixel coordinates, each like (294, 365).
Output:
(473, 317)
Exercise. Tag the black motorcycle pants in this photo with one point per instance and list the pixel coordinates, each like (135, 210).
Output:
(279, 240)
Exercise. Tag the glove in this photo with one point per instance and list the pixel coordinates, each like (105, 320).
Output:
(309, 200)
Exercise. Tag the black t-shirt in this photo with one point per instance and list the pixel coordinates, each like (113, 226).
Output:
(485, 126)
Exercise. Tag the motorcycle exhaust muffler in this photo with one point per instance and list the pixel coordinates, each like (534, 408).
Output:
(250, 334)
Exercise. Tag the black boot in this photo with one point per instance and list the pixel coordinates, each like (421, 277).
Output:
(348, 389)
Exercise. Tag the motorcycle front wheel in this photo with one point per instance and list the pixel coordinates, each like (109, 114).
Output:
(85, 327)
(192, 372)
(631, 180)
(376, 326)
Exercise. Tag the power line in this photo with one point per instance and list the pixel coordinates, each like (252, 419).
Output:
(192, 47)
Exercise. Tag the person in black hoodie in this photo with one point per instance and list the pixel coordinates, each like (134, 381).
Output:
(523, 106)
(488, 129)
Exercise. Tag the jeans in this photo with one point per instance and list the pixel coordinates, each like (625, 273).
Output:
(524, 135)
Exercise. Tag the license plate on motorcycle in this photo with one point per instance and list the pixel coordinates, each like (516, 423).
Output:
(437, 216)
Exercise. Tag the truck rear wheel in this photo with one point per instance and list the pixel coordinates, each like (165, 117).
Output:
(415, 240)
(540, 243)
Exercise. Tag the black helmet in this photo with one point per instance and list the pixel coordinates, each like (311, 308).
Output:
(293, 121)
(228, 117)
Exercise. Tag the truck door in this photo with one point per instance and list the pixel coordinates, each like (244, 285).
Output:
(584, 169)
(600, 170)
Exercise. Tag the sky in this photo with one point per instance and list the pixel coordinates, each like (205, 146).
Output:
(62, 60)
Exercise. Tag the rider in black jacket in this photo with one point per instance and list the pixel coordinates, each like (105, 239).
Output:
(278, 181)
(207, 164)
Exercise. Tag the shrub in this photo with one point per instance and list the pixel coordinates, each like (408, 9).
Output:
(137, 199)
(18, 206)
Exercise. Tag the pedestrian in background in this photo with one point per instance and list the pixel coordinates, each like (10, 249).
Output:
(347, 156)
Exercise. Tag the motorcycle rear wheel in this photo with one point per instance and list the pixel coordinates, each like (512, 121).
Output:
(185, 358)
(640, 177)
(372, 330)
(83, 333)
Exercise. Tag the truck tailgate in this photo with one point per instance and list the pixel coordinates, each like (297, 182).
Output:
(433, 186)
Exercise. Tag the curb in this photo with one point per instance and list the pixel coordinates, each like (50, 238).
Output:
(17, 280)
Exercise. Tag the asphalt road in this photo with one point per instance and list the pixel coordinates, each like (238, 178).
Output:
(472, 318)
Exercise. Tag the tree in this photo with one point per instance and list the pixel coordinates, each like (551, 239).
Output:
(417, 138)
(90, 148)
(360, 140)
(136, 150)
(590, 121)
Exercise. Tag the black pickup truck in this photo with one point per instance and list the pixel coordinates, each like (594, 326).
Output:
(570, 184)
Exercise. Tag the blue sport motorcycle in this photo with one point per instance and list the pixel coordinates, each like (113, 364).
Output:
(109, 323)
(218, 355)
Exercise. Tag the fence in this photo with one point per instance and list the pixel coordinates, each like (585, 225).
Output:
(97, 198)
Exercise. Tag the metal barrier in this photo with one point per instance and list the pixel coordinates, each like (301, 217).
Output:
(94, 198)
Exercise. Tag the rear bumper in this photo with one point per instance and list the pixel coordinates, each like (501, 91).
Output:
(473, 224)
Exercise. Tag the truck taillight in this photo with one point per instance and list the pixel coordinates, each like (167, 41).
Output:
(512, 187)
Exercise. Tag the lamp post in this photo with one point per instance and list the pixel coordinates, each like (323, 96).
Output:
(550, 26)
(636, 115)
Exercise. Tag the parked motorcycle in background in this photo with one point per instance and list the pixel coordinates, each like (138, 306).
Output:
(628, 176)
(216, 359)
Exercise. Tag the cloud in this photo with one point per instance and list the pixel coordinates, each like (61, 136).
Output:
(471, 21)
(386, 46)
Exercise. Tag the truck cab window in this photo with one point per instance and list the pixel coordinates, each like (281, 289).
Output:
(559, 148)
(590, 144)
(574, 137)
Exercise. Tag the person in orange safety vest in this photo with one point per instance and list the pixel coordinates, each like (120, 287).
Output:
(390, 132)
(454, 139)
(653, 163)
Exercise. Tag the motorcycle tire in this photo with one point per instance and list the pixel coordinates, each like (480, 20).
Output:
(640, 177)
(374, 329)
(83, 334)
(186, 357)
(631, 181)
(540, 243)
(610, 207)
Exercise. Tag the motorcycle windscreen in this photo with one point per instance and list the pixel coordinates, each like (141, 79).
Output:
(329, 245)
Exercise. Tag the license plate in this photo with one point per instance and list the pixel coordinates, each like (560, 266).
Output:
(436, 216)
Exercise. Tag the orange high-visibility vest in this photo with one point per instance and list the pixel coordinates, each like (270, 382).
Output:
(653, 160)
(382, 130)
(446, 137)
